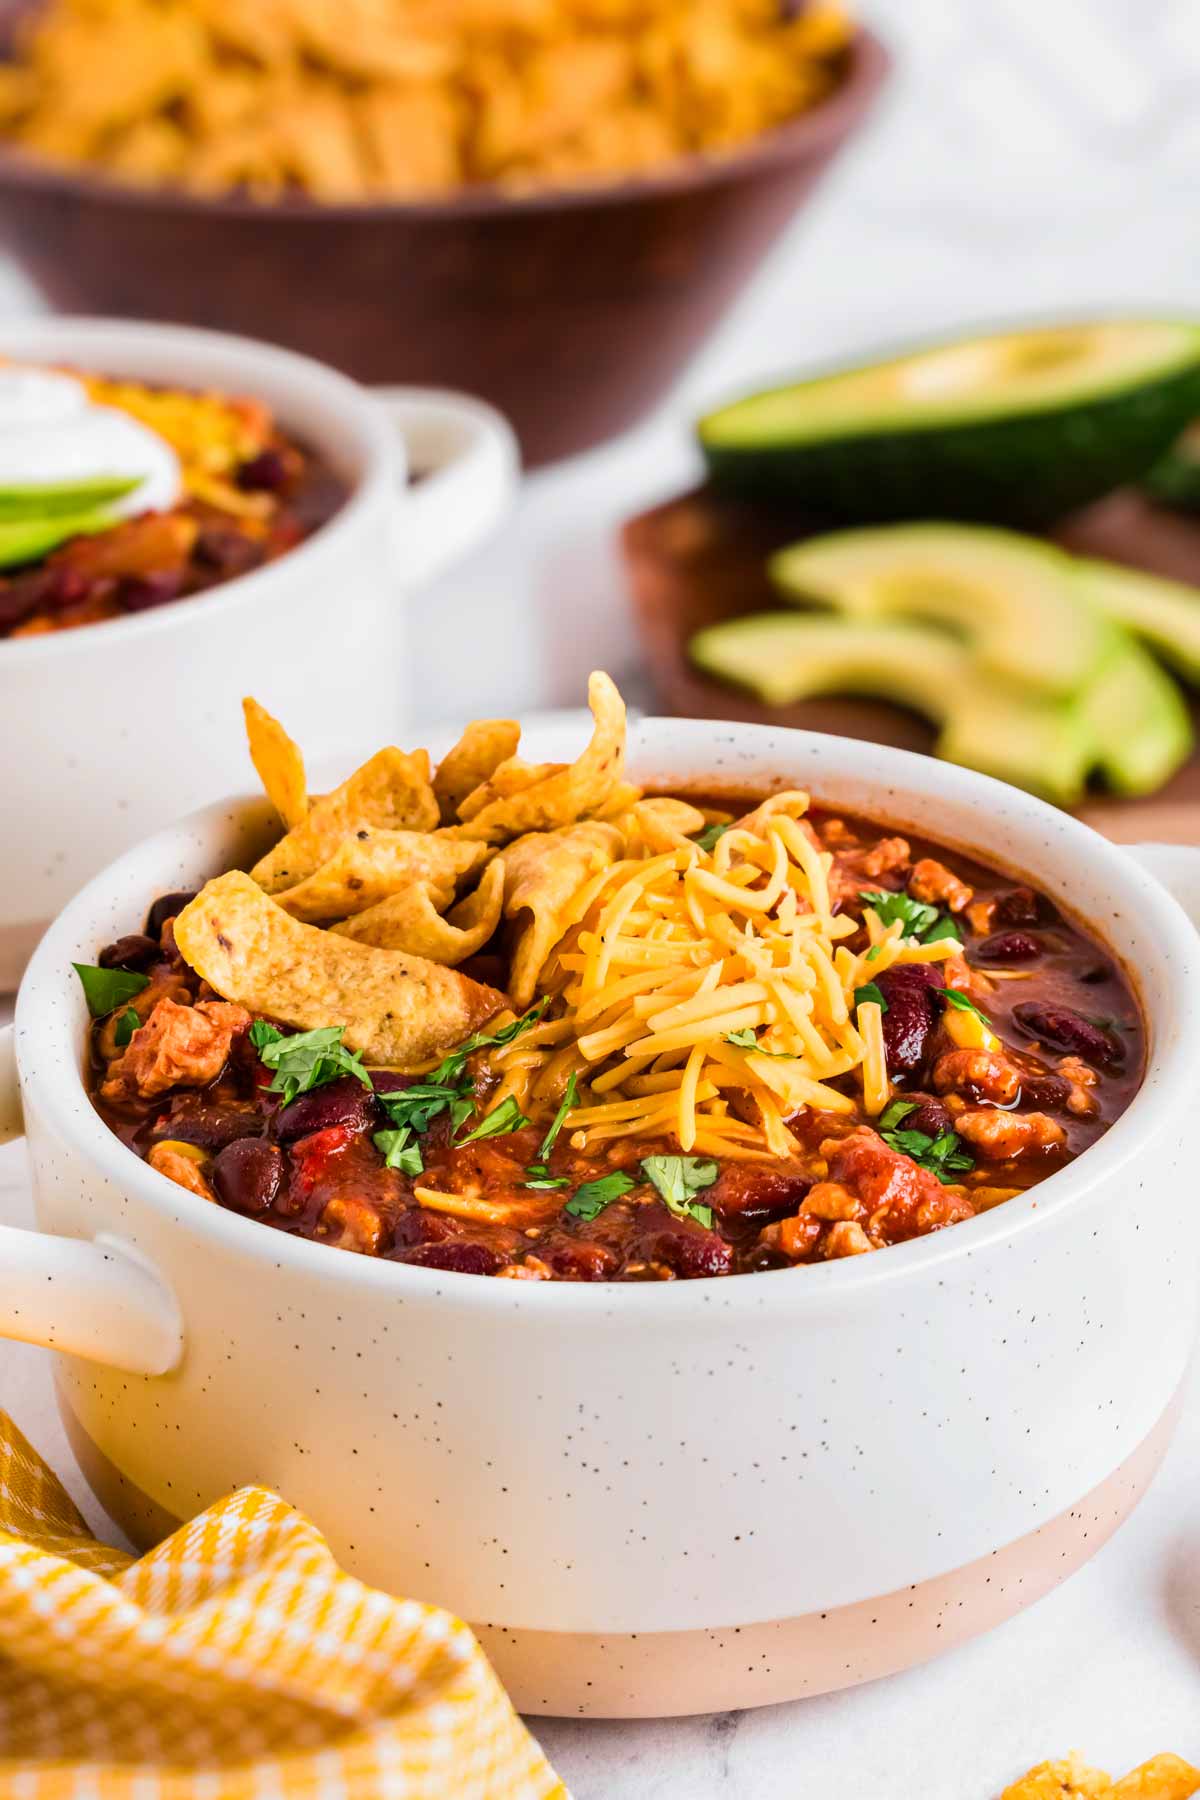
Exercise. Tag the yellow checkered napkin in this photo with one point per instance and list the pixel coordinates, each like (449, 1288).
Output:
(234, 1662)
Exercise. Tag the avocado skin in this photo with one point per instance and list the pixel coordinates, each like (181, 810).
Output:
(1026, 469)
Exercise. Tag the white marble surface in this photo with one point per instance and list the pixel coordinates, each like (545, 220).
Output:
(1035, 156)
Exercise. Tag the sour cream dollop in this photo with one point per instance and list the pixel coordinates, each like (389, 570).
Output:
(51, 432)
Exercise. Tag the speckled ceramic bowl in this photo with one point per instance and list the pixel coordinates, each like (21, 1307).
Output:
(666, 1498)
(108, 731)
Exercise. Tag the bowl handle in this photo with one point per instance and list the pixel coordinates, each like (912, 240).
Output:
(463, 466)
(100, 1300)
(1177, 868)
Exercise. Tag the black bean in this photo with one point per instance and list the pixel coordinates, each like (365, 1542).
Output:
(227, 552)
(1009, 947)
(132, 952)
(1063, 1029)
(247, 1174)
(342, 1102)
(911, 1016)
(164, 908)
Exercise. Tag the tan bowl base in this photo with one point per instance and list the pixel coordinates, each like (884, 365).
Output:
(662, 1674)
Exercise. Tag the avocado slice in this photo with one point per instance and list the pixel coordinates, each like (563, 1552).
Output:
(1165, 615)
(1174, 480)
(1128, 722)
(25, 540)
(1038, 743)
(1013, 600)
(1017, 427)
(1137, 721)
(46, 500)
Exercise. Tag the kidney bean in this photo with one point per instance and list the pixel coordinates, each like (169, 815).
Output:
(247, 1174)
(578, 1258)
(227, 552)
(416, 1226)
(1019, 906)
(1063, 1029)
(456, 1258)
(132, 952)
(1043, 1093)
(343, 1102)
(931, 1117)
(689, 1251)
(164, 908)
(911, 1016)
(265, 473)
(755, 1191)
(140, 593)
(1009, 947)
(195, 1120)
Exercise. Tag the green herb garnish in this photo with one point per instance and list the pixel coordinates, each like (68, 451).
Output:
(540, 1177)
(398, 1150)
(504, 1118)
(943, 1156)
(962, 1003)
(568, 1101)
(926, 923)
(914, 915)
(308, 1060)
(591, 1199)
(891, 1115)
(708, 838)
(872, 995)
(746, 1039)
(449, 1071)
(126, 1025)
(106, 989)
(679, 1179)
(262, 1034)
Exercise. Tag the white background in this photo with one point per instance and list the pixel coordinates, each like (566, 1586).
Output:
(1032, 156)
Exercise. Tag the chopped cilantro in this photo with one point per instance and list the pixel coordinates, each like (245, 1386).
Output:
(875, 952)
(500, 1121)
(914, 915)
(262, 1034)
(542, 1178)
(309, 1060)
(707, 839)
(106, 989)
(588, 1201)
(449, 1071)
(568, 1101)
(872, 995)
(891, 1115)
(920, 921)
(398, 1151)
(961, 1002)
(943, 1156)
(126, 1025)
(746, 1039)
(679, 1179)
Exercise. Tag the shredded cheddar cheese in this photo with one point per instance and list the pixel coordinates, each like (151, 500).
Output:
(709, 995)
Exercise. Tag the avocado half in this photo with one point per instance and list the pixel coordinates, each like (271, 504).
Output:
(1018, 427)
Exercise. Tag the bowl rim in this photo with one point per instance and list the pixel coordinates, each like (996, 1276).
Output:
(382, 449)
(810, 132)
(825, 1289)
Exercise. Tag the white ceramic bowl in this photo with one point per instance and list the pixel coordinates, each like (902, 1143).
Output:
(664, 1498)
(107, 732)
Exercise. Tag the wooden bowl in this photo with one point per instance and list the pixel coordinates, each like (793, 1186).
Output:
(573, 312)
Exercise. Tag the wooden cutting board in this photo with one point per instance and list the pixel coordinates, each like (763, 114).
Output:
(699, 558)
